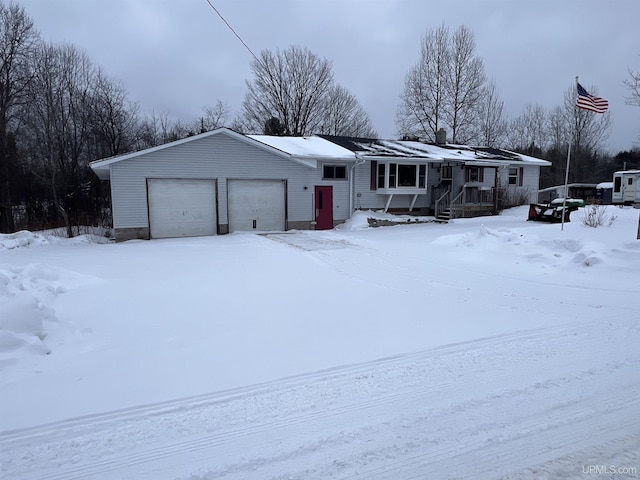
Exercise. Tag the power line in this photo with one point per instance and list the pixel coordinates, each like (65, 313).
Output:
(234, 32)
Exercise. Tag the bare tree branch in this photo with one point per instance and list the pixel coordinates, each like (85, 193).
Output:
(444, 88)
(297, 88)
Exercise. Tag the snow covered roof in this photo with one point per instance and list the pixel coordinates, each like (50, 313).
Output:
(313, 147)
(304, 150)
(413, 149)
(309, 150)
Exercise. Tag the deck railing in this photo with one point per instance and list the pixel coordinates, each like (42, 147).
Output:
(457, 205)
(442, 203)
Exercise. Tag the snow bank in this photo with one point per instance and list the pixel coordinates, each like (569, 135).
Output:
(25, 315)
(532, 248)
(25, 238)
(360, 219)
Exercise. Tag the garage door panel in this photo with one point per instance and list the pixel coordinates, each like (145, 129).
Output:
(256, 205)
(181, 207)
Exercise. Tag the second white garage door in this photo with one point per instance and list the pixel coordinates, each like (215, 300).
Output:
(181, 207)
(256, 205)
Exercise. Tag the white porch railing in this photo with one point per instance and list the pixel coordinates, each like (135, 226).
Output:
(442, 203)
(457, 205)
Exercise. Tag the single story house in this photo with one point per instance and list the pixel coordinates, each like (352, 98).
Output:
(223, 181)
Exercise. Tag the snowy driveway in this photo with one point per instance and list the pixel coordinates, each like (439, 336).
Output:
(486, 348)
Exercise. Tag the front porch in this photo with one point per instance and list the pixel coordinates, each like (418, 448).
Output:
(467, 202)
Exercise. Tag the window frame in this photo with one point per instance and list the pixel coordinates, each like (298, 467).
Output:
(389, 175)
(617, 184)
(334, 170)
(518, 177)
(382, 175)
(446, 173)
(512, 176)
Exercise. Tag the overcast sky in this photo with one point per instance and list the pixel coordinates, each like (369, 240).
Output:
(177, 56)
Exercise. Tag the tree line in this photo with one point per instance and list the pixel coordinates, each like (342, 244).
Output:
(59, 111)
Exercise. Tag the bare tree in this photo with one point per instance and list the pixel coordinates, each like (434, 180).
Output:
(633, 85)
(215, 116)
(18, 40)
(528, 132)
(289, 85)
(158, 128)
(465, 80)
(421, 112)
(113, 117)
(558, 128)
(444, 88)
(59, 122)
(343, 115)
(491, 120)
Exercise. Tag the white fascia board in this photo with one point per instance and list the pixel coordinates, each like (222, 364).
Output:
(312, 161)
(481, 163)
(383, 158)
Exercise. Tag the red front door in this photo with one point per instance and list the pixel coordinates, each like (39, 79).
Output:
(324, 208)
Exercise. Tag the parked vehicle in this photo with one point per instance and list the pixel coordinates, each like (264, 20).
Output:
(626, 187)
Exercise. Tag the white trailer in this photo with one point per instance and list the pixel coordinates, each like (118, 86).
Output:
(626, 187)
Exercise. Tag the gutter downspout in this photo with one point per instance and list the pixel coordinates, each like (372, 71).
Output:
(352, 181)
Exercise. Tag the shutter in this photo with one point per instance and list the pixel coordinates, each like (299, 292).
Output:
(520, 175)
(374, 175)
(481, 174)
(467, 174)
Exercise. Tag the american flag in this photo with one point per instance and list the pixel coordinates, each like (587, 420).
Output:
(591, 102)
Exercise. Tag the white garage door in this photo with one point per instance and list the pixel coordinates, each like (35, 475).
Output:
(256, 205)
(181, 207)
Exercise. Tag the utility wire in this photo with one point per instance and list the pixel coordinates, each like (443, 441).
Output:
(234, 32)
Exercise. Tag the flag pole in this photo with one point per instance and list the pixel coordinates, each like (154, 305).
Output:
(566, 174)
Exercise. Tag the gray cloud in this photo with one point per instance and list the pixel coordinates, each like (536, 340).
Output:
(178, 56)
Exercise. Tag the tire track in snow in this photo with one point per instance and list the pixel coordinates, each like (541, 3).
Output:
(407, 390)
(488, 451)
(252, 390)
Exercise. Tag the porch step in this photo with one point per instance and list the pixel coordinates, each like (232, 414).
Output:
(444, 216)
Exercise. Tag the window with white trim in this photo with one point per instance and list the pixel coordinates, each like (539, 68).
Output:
(397, 176)
(381, 175)
(513, 175)
(334, 172)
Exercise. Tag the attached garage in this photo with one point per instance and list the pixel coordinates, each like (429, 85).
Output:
(256, 205)
(181, 207)
(222, 181)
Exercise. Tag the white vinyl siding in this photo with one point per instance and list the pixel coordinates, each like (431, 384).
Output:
(217, 157)
(528, 175)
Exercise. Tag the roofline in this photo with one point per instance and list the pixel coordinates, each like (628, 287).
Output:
(310, 161)
(529, 160)
(100, 164)
(397, 158)
(555, 187)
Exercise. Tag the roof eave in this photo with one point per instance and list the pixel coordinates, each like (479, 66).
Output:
(396, 158)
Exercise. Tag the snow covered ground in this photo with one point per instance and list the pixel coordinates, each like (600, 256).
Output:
(485, 348)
